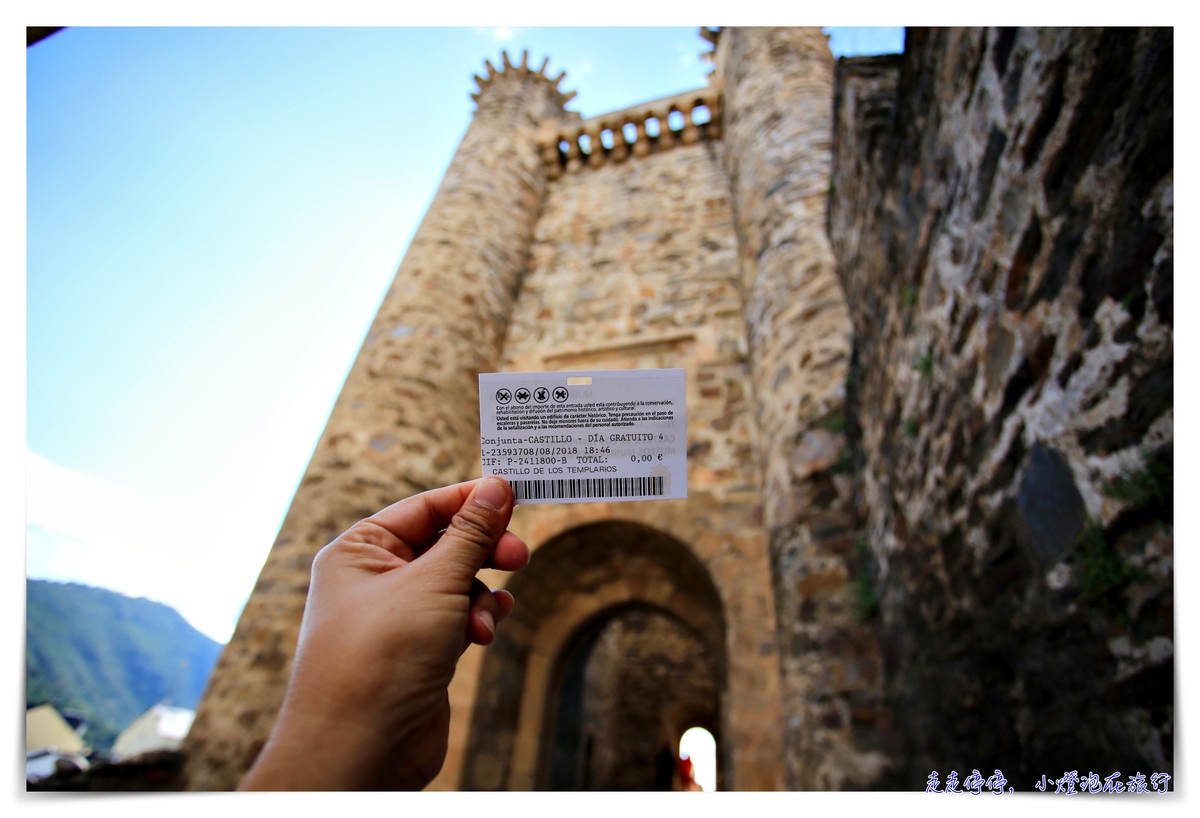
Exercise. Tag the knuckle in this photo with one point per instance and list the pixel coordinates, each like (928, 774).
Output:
(331, 551)
(337, 548)
(366, 532)
(472, 526)
(361, 538)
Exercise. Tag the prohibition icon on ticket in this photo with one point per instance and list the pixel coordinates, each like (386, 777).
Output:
(503, 396)
(560, 394)
(541, 394)
(522, 395)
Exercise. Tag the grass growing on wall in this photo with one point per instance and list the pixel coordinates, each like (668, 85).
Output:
(866, 603)
(1152, 483)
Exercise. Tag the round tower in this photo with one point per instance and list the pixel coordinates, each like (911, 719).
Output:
(407, 418)
(778, 103)
(778, 99)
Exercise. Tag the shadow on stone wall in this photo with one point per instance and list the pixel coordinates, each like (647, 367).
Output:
(1001, 208)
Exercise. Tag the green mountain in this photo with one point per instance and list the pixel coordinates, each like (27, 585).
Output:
(108, 656)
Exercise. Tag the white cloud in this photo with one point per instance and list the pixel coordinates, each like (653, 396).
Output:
(198, 551)
(199, 556)
(502, 34)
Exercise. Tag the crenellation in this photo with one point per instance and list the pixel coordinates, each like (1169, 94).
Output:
(566, 148)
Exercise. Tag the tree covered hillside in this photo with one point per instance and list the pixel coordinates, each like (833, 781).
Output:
(108, 656)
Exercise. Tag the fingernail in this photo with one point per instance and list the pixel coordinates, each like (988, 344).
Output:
(511, 603)
(485, 616)
(492, 493)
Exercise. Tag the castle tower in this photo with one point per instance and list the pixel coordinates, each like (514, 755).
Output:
(407, 417)
(778, 98)
(634, 621)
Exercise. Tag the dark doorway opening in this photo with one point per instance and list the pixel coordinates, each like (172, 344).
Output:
(611, 583)
(628, 685)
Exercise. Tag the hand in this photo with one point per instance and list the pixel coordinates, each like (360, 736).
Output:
(393, 603)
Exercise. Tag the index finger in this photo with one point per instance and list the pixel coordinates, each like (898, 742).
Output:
(417, 519)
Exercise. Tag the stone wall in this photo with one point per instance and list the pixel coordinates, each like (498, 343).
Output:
(778, 99)
(1001, 211)
(407, 418)
(634, 265)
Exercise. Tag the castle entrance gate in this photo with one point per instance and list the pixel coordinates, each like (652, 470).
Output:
(630, 684)
(615, 648)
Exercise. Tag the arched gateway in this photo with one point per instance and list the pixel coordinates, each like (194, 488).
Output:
(616, 648)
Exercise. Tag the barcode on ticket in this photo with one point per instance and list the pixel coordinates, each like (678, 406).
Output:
(596, 488)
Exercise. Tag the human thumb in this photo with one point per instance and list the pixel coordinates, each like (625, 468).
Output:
(473, 532)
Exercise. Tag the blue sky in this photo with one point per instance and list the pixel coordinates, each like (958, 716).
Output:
(213, 216)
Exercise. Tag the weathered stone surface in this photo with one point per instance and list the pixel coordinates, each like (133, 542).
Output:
(778, 91)
(1002, 213)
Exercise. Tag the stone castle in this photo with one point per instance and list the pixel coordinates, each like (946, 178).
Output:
(924, 304)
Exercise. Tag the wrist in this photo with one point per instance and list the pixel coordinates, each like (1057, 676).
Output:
(313, 752)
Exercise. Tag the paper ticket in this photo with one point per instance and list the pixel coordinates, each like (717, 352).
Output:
(586, 437)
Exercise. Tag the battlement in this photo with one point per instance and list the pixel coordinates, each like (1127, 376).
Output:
(652, 127)
(521, 71)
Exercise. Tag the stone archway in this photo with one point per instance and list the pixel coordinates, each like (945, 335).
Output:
(599, 607)
(627, 686)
